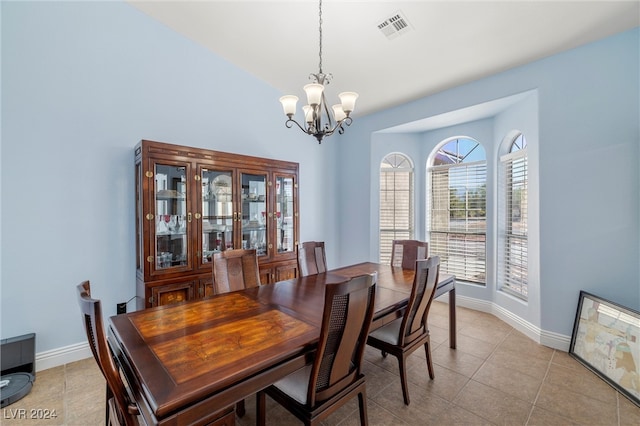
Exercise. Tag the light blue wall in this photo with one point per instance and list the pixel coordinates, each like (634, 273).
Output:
(82, 83)
(587, 148)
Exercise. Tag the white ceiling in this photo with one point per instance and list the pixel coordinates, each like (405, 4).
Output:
(448, 42)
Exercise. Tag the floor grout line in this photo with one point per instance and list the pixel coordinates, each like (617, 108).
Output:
(546, 374)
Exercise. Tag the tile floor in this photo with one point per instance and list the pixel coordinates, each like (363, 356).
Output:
(497, 376)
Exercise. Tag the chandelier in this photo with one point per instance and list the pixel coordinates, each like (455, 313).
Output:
(316, 111)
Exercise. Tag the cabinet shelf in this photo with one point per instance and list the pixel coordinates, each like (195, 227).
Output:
(171, 234)
(213, 198)
(169, 194)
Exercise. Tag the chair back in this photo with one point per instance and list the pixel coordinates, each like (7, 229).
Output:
(311, 258)
(235, 270)
(348, 309)
(92, 319)
(414, 322)
(404, 253)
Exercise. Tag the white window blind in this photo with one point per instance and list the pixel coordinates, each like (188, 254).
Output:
(513, 214)
(457, 223)
(396, 208)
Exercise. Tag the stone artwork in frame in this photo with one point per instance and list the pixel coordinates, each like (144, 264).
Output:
(606, 340)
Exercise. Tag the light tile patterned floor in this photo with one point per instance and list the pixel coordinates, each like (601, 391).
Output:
(497, 376)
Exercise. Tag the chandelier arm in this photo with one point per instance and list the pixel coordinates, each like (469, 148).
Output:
(338, 126)
(289, 125)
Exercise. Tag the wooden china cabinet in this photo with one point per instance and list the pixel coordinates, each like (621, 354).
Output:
(192, 202)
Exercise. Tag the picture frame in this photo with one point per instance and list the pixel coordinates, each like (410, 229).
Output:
(606, 340)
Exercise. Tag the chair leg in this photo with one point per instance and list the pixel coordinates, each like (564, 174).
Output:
(427, 351)
(261, 408)
(362, 402)
(240, 410)
(108, 395)
(403, 378)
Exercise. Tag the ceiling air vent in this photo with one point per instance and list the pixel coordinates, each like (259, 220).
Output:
(394, 26)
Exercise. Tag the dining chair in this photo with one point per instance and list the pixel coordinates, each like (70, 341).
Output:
(120, 408)
(404, 253)
(235, 270)
(333, 377)
(404, 335)
(311, 258)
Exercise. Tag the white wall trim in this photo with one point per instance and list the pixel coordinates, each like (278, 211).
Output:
(555, 340)
(62, 356)
(547, 338)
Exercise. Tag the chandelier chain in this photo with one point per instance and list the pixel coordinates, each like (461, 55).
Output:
(320, 31)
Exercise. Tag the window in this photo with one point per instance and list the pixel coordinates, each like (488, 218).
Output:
(457, 212)
(512, 219)
(396, 202)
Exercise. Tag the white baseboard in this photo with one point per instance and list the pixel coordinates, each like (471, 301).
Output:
(79, 351)
(557, 341)
(61, 356)
(546, 338)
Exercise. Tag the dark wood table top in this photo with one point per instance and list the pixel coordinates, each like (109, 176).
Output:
(226, 347)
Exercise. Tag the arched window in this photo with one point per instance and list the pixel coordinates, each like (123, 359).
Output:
(512, 220)
(457, 209)
(396, 202)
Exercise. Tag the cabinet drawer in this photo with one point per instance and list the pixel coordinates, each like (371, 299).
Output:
(286, 272)
(205, 287)
(271, 273)
(172, 293)
(266, 276)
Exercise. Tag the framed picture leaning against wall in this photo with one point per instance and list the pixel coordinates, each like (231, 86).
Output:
(606, 340)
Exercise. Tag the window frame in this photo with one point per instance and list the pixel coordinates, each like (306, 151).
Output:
(513, 253)
(462, 251)
(387, 234)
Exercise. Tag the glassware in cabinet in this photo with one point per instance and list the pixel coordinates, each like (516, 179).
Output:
(285, 215)
(217, 230)
(254, 212)
(170, 216)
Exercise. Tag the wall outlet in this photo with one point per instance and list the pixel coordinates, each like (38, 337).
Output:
(121, 308)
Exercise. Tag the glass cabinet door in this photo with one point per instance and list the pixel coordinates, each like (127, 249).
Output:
(254, 212)
(170, 201)
(217, 212)
(285, 214)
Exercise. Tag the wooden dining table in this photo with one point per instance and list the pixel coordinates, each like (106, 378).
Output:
(189, 363)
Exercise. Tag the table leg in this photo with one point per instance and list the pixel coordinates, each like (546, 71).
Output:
(261, 409)
(452, 318)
